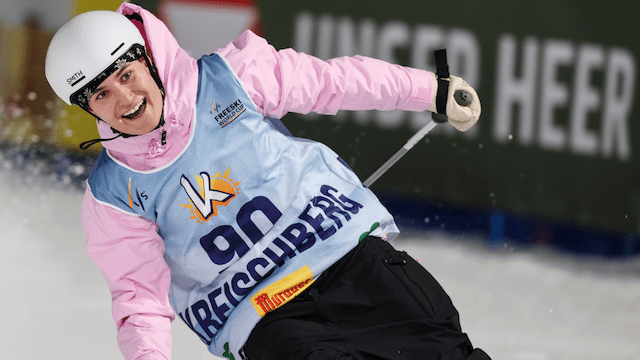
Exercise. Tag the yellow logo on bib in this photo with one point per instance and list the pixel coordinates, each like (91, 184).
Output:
(282, 291)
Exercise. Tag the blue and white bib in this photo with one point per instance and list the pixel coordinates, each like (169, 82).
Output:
(249, 216)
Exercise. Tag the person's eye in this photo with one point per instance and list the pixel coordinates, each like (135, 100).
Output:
(126, 76)
(101, 95)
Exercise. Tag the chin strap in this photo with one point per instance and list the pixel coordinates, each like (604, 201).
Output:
(87, 144)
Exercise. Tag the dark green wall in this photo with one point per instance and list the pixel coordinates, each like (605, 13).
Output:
(559, 134)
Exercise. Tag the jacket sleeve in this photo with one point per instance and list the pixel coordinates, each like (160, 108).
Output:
(287, 81)
(130, 255)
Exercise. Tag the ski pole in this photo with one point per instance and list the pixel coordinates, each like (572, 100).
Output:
(462, 97)
(400, 153)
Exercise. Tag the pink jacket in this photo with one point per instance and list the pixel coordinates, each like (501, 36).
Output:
(127, 248)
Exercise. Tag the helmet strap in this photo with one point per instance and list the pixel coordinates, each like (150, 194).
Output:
(154, 73)
(87, 144)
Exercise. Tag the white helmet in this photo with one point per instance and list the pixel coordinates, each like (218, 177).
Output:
(86, 50)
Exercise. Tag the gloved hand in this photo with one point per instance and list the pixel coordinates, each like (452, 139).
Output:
(462, 117)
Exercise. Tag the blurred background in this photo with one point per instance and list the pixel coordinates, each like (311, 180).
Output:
(552, 160)
(552, 164)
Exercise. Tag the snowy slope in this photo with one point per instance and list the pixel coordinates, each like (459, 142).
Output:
(516, 304)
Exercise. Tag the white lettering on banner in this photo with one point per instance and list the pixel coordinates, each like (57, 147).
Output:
(598, 115)
(512, 90)
(535, 103)
(553, 94)
(620, 81)
(586, 99)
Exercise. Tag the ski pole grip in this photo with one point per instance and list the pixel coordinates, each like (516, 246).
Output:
(463, 97)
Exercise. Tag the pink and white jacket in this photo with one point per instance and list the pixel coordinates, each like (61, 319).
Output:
(127, 248)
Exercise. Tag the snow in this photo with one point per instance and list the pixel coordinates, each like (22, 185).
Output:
(517, 304)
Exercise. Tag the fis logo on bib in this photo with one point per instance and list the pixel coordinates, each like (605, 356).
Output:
(210, 193)
(139, 198)
(228, 114)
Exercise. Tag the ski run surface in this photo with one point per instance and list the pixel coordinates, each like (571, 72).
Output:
(516, 304)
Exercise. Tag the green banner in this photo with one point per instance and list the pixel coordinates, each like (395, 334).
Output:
(557, 81)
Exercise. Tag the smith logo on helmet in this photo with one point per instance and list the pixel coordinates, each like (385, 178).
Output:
(76, 78)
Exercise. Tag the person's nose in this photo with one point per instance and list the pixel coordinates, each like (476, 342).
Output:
(125, 96)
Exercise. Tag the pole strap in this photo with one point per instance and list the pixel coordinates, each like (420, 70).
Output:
(442, 72)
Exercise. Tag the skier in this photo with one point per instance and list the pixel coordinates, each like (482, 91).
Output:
(201, 205)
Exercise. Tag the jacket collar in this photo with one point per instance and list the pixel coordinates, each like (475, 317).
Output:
(179, 74)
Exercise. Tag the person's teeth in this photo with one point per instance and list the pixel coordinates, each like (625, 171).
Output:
(134, 109)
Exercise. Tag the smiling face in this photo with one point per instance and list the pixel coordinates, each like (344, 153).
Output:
(129, 100)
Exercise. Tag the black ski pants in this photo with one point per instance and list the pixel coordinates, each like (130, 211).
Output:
(375, 303)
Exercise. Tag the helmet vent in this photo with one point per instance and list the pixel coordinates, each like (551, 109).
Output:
(118, 48)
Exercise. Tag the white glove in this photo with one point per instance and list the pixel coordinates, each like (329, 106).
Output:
(462, 117)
